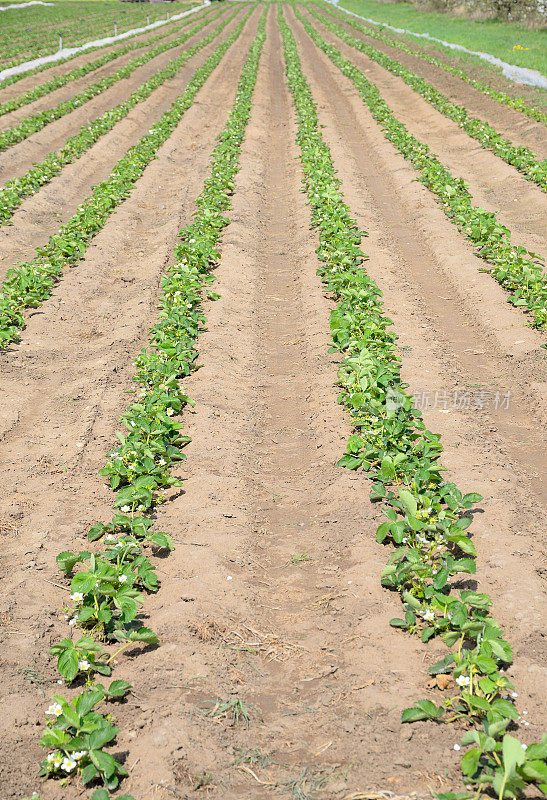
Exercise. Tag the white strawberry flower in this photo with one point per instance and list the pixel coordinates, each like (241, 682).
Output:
(125, 509)
(84, 665)
(77, 597)
(122, 578)
(68, 764)
(55, 710)
(463, 680)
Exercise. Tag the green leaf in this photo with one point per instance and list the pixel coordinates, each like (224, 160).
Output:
(470, 762)
(513, 753)
(104, 762)
(409, 501)
(143, 635)
(118, 688)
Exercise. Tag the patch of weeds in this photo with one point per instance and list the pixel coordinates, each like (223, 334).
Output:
(299, 558)
(232, 710)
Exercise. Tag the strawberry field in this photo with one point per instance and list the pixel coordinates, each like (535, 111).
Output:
(273, 307)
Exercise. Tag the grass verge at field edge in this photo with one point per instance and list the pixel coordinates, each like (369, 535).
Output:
(483, 36)
(427, 516)
(502, 97)
(16, 190)
(525, 161)
(515, 268)
(79, 72)
(108, 591)
(29, 284)
(35, 122)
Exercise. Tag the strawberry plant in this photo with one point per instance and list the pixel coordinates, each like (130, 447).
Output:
(35, 122)
(517, 270)
(29, 284)
(427, 516)
(79, 72)
(520, 157)
(16, 190)
(107, 588)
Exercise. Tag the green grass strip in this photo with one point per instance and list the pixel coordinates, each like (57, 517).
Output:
(15, 191)
(517, 156)
(79, 72)
(514, 267)
(427, 517)
(35, 122)
(108, 589)
(502, 97)
(29, 284)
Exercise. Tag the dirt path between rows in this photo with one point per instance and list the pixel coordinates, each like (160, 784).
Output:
(18, 159)
(62, 393)
(42, 214)
(449, 343)
(72, 88)
(521, 130)
(494, 185)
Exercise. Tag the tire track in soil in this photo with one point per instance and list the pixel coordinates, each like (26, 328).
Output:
(17, 160)
(261, 487)
(521, 130)
(61, 398)
(42, 214)
(447, 345)
(496, 186)
(72, 88)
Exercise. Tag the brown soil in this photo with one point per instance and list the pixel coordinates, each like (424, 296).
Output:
(272, 595)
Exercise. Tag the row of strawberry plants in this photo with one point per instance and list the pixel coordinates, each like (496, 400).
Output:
(516, 269)
(79, 72)
(502, 97)
(14, 192)
(427, 517)
(517, 156)
(107, 589)
(29, 284)
(35, 122)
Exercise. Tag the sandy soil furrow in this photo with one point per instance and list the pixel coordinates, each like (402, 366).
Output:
(23, 85)
(74, 87)
(446, 347)
(494, 185)
(521, 130)
(261, 491)
(61, 397)
(18, 159)
(41, 215)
